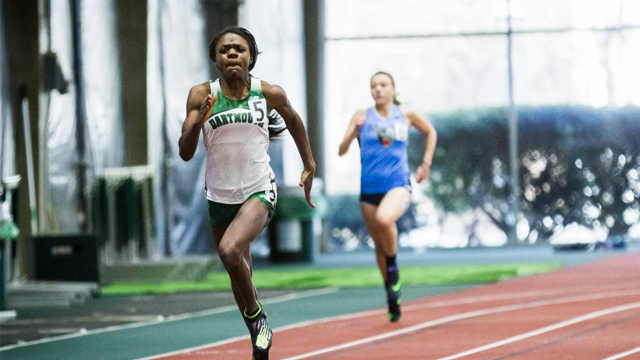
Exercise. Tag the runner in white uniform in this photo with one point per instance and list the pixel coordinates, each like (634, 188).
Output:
(237, 139)
(231, 112)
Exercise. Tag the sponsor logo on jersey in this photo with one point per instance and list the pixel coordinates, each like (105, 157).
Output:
(388, 134)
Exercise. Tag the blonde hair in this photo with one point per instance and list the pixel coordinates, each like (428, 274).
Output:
(393, 82)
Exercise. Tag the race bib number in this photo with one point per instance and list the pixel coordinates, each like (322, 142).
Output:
(258, 108)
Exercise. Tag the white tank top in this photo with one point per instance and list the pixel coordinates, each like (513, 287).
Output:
(236, 137)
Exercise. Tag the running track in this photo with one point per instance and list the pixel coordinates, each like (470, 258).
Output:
(585, 312)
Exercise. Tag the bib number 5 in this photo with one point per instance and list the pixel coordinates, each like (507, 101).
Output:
(258, 111)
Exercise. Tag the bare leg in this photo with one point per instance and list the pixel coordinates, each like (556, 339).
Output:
(381, 224)
(233, 249)
(369, 215)
(218, 232)
(233, 244)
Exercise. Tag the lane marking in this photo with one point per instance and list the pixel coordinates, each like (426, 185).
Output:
(377, 312)
(60, 331)
(84, 319)
(545, 329)
(347, 317)
(468, 315)
(446, 303)
(164, 320)
(623, 354)
(508, 296)
(196, 348)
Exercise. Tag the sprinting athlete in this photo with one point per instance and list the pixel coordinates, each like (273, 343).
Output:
(385, 190)
(232, 113)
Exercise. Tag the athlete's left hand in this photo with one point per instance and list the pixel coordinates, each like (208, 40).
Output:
(306, 181)
(423, 172)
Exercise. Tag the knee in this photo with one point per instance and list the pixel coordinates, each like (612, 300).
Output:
(231, 256)
(385, 222)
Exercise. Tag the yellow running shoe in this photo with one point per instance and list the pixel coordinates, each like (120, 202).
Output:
(261, 334)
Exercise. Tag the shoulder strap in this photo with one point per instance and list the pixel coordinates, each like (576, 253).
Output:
(256, 84)
(215, 86)
(369, 114)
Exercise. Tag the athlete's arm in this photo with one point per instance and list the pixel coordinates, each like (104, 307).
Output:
(199, 105)
(352, 131)
(277, 99)
(424, 126)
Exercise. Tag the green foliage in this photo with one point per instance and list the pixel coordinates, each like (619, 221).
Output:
(470, 165)
(577, 164)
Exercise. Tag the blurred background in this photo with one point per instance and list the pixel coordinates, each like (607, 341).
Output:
(536, 104)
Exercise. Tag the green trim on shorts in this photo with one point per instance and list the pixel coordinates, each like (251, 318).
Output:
(264, 198)
(221, 215)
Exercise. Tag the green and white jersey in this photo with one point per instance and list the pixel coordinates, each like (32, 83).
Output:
(236, 137)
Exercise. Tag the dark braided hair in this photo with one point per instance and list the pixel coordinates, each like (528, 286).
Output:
(253, 46)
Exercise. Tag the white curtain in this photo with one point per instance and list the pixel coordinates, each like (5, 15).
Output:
(61, 194)
(278, 28)
(177, 53)
(102, 86)
(7, 144)
(103, 128)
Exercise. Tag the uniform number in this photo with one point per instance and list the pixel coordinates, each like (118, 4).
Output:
(258, 108)
(272, 196)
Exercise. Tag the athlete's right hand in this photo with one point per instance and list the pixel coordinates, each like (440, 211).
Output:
(306, 182)
(205, 109)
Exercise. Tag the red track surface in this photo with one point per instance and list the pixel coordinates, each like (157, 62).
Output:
(585, 312)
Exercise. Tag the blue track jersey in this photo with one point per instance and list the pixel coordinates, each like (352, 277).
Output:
(383, 152)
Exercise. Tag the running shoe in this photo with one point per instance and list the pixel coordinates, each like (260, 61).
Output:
(393, 300)
(261, 334)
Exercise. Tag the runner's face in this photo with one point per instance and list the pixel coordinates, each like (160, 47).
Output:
(382, 89)
(232, 56)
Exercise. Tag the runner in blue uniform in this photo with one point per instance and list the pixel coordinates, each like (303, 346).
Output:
(385, 191)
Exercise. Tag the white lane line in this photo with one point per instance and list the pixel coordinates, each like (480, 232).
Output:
(468, 315)
(446, 303)
(509, 296)
(545, 329)
(471, 300)
(196, 348)
(164, 320)
(623, 354)
(377, 312)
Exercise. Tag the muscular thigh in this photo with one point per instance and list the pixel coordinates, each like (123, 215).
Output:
(248, 223)
(218, 233)
(369, 215)
(394, 203)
